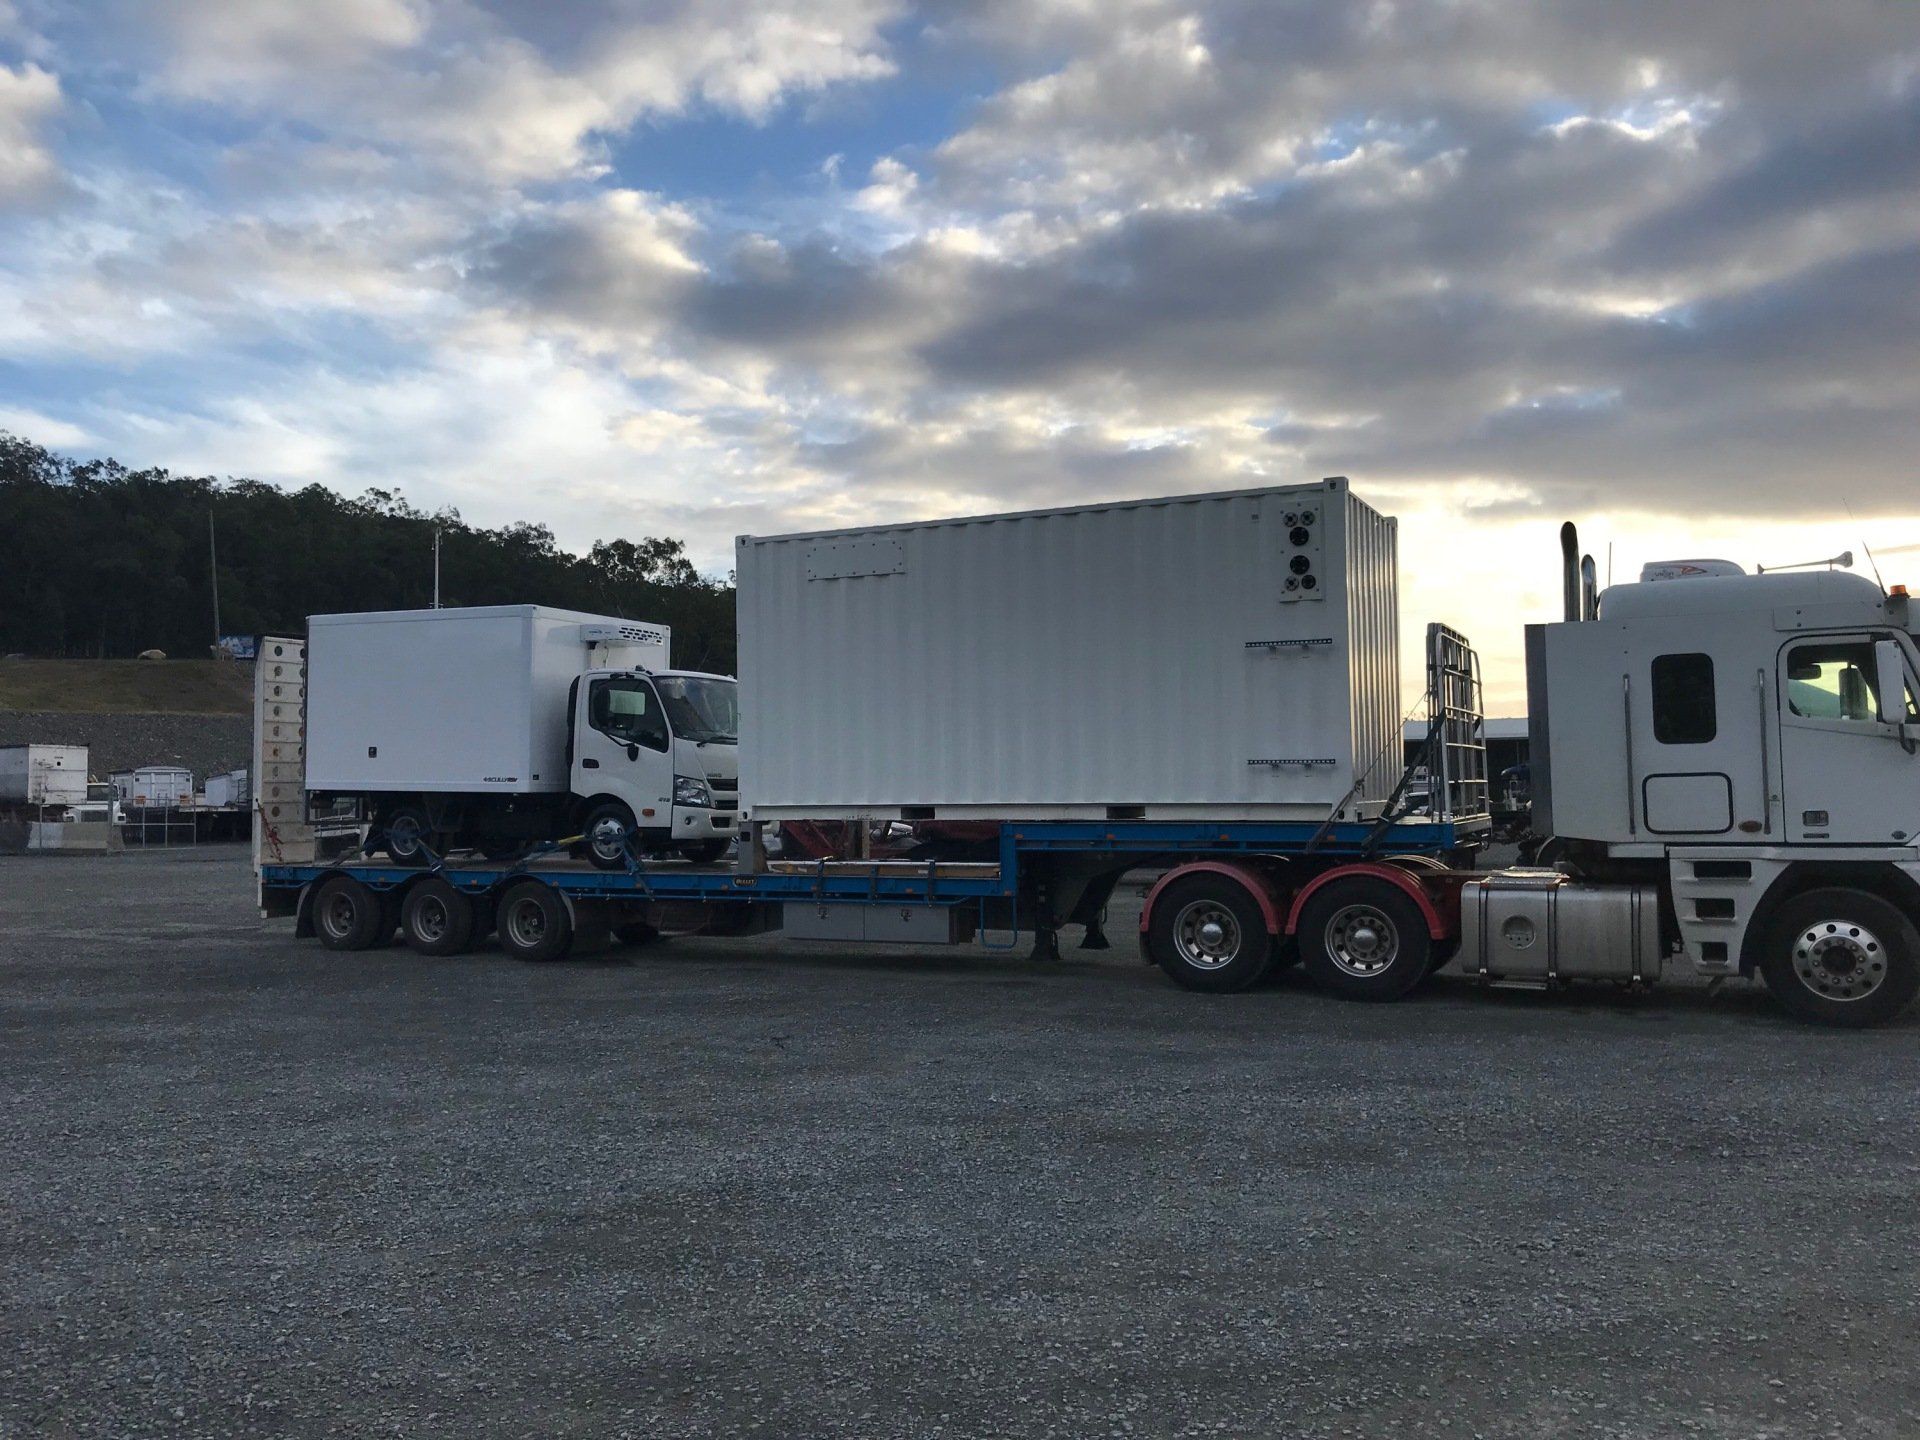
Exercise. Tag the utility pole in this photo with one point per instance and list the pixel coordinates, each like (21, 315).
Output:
(213, 570)
(436, 567)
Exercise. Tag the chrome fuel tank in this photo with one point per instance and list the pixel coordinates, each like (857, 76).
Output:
(1541, 925)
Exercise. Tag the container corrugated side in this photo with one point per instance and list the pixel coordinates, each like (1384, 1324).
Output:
(1373, 648)
(1056, 663)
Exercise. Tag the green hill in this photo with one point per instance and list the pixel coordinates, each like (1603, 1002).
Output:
(127, 687)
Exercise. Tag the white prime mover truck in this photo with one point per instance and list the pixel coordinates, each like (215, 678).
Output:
(1726, 767)
(494, 728)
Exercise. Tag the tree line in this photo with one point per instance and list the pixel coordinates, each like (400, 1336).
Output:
(98, 560)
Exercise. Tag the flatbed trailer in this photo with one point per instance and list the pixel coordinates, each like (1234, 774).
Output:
(1226, 899)
(1047, 875)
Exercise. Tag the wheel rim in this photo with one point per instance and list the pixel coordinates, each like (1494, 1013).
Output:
(430, 918)
(527, 923)
(1840, 959)
(1362, 941)
(608, 838)
(1206, 935)
(337, 915)
(403, 835)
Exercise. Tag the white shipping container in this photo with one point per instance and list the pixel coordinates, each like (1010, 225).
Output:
(470, 700)
(43, 774)
(1226, 656)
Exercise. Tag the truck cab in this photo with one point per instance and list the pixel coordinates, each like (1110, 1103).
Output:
(1739, 743)
(654, 758)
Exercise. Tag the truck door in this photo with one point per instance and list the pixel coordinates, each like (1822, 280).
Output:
(623, 748)
(1845, 776)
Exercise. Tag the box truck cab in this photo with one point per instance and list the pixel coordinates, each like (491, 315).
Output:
(493, 728)
(655, 754)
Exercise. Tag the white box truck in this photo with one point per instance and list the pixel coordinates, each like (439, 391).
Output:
(493, 727)
(43, 774)
(1226, 657)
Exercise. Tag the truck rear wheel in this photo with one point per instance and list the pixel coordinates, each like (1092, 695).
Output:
(437, 919)
(532, 922)
(406, 832)
(1841, 957)
(1209, 934)
(1364, 939)
(346, 914)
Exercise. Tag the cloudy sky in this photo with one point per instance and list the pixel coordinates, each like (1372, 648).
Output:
(699, 267)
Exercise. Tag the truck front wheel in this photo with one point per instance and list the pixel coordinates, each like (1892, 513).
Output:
(1364, 939)
(1208, 933)
(1841, 957)
(608, 832)
(532, 922)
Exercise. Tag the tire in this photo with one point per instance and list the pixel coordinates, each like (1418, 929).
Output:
(406, 834)
(609, 832)
(346, 914)
(1208, 933)
(532, 922)
(636, 932)
(1841, 957)
(706, 852)
(1363, 939)
(437, 919)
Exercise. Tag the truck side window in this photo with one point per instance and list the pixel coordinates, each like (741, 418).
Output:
(626, 710)
(1832, 681)
(1683, 709)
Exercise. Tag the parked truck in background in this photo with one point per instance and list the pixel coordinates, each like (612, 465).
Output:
(495, 728)
(1723, 767)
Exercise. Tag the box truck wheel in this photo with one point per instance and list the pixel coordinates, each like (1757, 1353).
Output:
(404, 834)
(608, 829)
(1208, 933)
(532, 922)
(437, 919)
(1363, 939)
(346, 914)
(1841, 957)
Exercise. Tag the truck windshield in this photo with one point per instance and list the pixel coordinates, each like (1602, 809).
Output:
(701, 710)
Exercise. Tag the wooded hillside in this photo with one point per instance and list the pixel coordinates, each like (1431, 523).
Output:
(98, 560)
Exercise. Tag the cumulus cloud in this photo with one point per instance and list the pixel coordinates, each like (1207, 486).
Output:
(29, 99)
(509, 92)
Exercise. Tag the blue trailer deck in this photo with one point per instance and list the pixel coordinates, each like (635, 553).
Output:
(889, 881)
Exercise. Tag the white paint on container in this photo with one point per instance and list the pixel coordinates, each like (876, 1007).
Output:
(43, 774)
(470, 700)
(1226, 656)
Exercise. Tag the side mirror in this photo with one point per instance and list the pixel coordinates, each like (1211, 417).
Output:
(1890, 678)
(633, 751)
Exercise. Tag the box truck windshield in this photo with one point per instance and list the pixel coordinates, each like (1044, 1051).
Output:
(701, 709)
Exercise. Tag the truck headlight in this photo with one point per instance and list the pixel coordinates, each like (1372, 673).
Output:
(689, 791)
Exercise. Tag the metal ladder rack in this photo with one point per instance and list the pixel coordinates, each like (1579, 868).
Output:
(1456, 727)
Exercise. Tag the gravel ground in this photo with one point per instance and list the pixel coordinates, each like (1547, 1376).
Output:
(253, 1188)
(205, 744)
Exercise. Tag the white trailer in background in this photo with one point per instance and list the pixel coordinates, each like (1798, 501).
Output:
(43, 775)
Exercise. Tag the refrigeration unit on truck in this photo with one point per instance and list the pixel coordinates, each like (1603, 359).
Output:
(496, 727)
(1724, 766)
